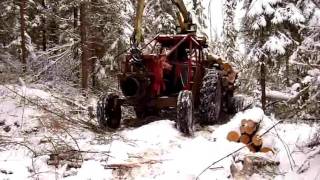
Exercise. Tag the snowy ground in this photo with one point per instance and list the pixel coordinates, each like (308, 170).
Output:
(36, 144)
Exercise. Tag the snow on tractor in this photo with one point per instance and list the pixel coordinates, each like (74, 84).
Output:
(176, 73)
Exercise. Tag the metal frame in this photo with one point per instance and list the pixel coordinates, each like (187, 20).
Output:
(194, 63)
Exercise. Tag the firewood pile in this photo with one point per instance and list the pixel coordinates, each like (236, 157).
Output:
(249, 133)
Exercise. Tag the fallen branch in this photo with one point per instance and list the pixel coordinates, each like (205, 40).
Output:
(20, 144)
(131, 165)
(300, 93)
(35, 77)
(70, 102)
(78, 122)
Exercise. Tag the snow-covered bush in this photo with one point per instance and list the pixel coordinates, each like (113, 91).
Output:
(285, 36)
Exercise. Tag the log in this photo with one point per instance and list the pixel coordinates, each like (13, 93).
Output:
(242, 130)
(233, 136)
(251, 147)
(243, 125)
(250, 127)
(245, 139)
(257, 140)
(252, 164)
(277, 95)
(243, 122)
(266, 149)
(268, 143)
(289, 98)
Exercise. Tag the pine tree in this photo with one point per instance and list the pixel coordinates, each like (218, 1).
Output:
(8, 19)
(305, 61)
(200, 18)
(229, 31)
(23, 37)
(43, 26)
(280, 32)
(271, 30)
(84, 45)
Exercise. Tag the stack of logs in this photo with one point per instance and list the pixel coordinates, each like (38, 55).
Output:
(248, 134)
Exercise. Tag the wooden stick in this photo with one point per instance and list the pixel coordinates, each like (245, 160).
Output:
(132, 164)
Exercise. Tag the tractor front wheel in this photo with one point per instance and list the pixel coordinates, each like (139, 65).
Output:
(109, 112)
(185, 123)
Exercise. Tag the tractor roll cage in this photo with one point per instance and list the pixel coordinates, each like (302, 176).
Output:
(183, 51)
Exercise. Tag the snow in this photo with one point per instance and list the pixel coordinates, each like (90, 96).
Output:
(295, 87)
(256, 8)
(277, 44)
(155, 150)
(278, 16)
(16, 162)
(314, 72)
(290, 13)
(307, 80)
(294, 14)
(239, 14)
(315, 21)
(262, 21)
(91, 170)
(214, 12)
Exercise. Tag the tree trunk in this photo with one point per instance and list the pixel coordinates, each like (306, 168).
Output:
(75, 30)
(75, 17)
(23, 37)
(263, 83)
(84, 46)
(44, 32)
(287, 71)
(94, 78)
(93, 58)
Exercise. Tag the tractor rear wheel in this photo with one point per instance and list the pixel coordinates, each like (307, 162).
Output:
(210, 97)
(185, 123)
(109, 111)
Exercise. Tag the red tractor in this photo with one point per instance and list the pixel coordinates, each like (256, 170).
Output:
(174, 74)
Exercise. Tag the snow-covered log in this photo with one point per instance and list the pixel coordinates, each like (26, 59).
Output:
(290, 98)
(277, 95)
